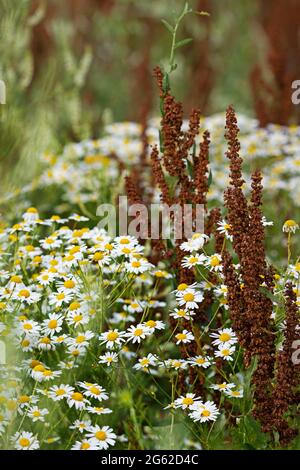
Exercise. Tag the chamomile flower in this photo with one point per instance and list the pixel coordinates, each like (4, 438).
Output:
(81, 425)
(57, 299)
(41, 373)
(68, 286)
(290, 226)
(214, 262)
(195, 243)
(221, 290)
(26, 295)
(162, 274)
(29, 327)
(37, 414)
(29, 343)
(138, 266)
(108, 358)
(31, 215)
(134, 306)
(192, 261)
(93, 390)
(78, 218)
(225, 352)
(53, 324)
(81, 338)
(224, 337)
(25, 441)
(85, 444)
(200, 361)
(184, 337)
(234, 393)
(203, 412)
(103, 437)
(46, 278)
(182, 313)
(77, 400)
(153, 325)
(50, 243)
(98, 410)
(119, 317)
(26, 401)
(136, 333)
(186, 401)
(126, 240)
(225, 229)
(222, 387)
(189, 298)
(112, 338)
(145, 362)
(45, 343)
(59, 392)
(183, 287)
(77, 318)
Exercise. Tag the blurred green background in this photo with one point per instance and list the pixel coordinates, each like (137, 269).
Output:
(70, 66)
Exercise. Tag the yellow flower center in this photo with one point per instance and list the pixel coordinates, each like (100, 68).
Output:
(189, 297)
(76, 396)
(112, 336)
(136, 264)
(182, 287)
(80, 339)
(39, 368)
(85, 446)
(74, 249)
(24, 442)
(290, 223)
(74, 306)
(181, 313)
(98, 256)
(69, 284)
(224, 337)
(24, 293)
(214, 261)
(45, 340)
(100, 435)
(187, 401)
(151, 323)
(52, 324)
(145, 362)
(138, 332)
(206, 413)
(181, 336)
(24, 399)
(78, 318)
(31, 210)
(200, 360)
